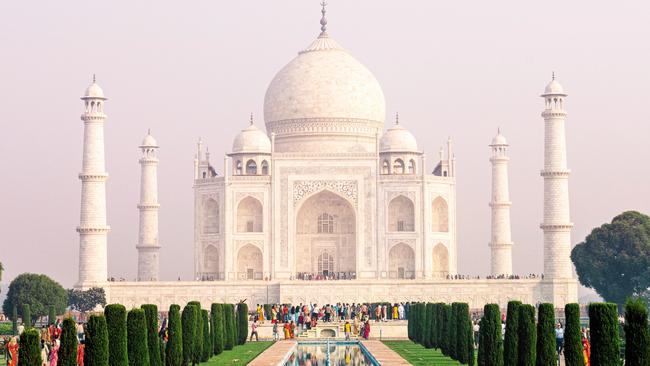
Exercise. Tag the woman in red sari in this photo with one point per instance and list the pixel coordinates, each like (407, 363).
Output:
(12, 352)
(80, 353)
(366, 330)
(586, 350)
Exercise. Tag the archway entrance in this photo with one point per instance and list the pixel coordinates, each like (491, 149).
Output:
(249, 263)
(326, 237)
(401, 262)
(440, 261)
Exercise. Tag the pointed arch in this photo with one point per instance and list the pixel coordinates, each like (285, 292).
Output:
(249, 263)
(440, 215)
(249, 216)
(210, 216)
(440, 261)
(401, 262)
(238, 168)
(411, 167)
(385, 167)
(251, 167)
(211, 260)
(401, 214)
(398, 166)
(265, 167)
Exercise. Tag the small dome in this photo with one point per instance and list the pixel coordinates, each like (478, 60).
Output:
(398, 139)
(554, 88)
(499, 139)
(149, 141)
(94, 91)
(251, 140)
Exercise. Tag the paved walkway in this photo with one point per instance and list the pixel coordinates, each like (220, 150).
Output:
(274, 354)
(383, 354)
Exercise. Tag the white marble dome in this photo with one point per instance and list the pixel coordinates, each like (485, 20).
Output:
(149, 141)
(94, 91)
(398, 139)
(499, 139)
(251, 140)
(554, 88)
(323, 82)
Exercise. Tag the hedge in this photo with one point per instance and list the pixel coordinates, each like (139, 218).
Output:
(198, 340)
(68, 347)
(545, 350)
(426, 331)
(174, 347)
(464, 338)
(27, 316)
(446, 342)
(242, 318)
(637, 343)
(216, 315)
(29, 352)
(207, 339)
(527, 336)
(229, 333)
(490, 351)
(440, 322)
(188, 322)
(116, 324)
(453, 331)
(431, 325)
(136, 325)
(153, 341)
(603, 324)
(96, 341)
(573, 355)
(511, 340)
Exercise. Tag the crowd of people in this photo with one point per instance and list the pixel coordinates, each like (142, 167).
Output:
(305, 276)
(495, 277)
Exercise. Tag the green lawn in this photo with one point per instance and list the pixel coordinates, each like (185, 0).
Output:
(240, 355)
(418, 355)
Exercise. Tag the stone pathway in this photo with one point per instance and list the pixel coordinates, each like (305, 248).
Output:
(384, 355)
(274, 354)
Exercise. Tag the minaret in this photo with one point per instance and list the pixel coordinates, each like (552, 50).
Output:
(93, 231)
(148, 246)
(500, 242)
(557, 223)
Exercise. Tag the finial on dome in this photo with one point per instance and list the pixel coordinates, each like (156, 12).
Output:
(251, 118)
(396, 118)
(323, 19)
(148, 131)
(94, 78)
(553, 75)
(498, 130)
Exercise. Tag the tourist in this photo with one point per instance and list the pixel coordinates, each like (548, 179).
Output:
(366, 330)
(286, 330)
(400, 311)
(559, 338)
(45, 352)
(347, 328)
(395, 312)
(378, 313)
(54, 353)
(260, 313)
(254, 331)
(586, 348)
(292, 330)
(21, 328)
(12, 352)
(80, 353)
(276, 336)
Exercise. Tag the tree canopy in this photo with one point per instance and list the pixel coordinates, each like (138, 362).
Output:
(37, 290)
(87, 300)
(614, 259)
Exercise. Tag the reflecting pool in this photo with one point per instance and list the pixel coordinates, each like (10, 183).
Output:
(325, 354)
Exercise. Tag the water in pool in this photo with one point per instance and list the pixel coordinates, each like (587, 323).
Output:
(340, 354)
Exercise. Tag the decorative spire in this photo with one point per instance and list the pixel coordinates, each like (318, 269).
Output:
(251, 118)
(94, 78)
(498, 130)
(396, 118)
(323, 19)
(148, 131)
(553, 75)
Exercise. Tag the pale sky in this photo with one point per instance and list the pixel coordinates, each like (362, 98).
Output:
(199, 68)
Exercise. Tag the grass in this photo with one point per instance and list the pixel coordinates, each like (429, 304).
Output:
(418, 355)
(240, 355)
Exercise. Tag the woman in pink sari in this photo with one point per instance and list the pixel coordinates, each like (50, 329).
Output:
(366, 330)
(54, 353)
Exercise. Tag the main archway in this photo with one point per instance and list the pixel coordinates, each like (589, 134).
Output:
(326, 236)
(401, 262)
(249, 263)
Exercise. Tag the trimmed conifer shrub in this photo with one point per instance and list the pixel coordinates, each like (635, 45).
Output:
(440, 317)
(409, 329)
(242, 319)
(116, 323)
(68, 347)
(217, 316)
(465, 344)
(446, 329)
(207, 339)
(426, 331)
(138, 349)
(174, 347)
(14, 320)
(51, 315)
(431, 320)
(414, 321)
(527, 336)
(153, 341)
(421, 323)
(573, 355)
(198, 340)
(27, 316)
(235, 325)
(188, 322)
(545, 349)
(29, 352)
(453, 331)
(637, 339)
(229, 315)
(603, 324)
(511, 340)
(96, 341)
(490, 351)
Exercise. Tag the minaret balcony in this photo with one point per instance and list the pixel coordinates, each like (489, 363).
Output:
(559, 173)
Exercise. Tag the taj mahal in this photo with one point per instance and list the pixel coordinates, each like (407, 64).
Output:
(327, 202)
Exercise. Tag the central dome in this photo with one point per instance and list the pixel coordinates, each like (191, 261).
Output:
(324, 91)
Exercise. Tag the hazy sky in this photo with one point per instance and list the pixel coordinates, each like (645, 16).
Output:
(199, 68)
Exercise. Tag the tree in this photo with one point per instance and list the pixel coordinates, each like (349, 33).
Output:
(188, 322)
(527, 336)
(242, 319)
(465, 344)
(572, 336)
(137, 338)
(453, 331)
(207, 339)
(545, 349)
(615, 258)
(96, 341)
(39, 291)
(510, 343)
(68, 348)
(431, 324)
(440, 320)
(490, 351)
(228, 317)
(116, 323)
(51, 315)
(29, 352)
(603, 326)
(85, 301)
(27, 315)
(198, 338)
(216, 315)
(446, 329)
(174, 349)
(153, 341)
(14, 320)
(637, 339)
